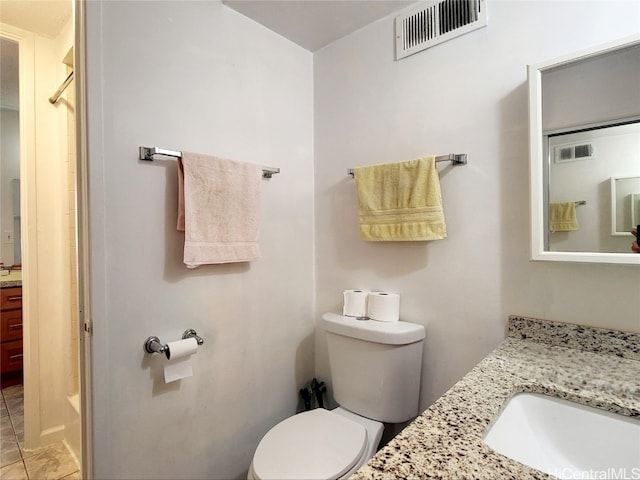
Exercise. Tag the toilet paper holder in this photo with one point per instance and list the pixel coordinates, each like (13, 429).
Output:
(153, 344)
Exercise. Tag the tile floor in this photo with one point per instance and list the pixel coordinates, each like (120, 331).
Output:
(52, 462)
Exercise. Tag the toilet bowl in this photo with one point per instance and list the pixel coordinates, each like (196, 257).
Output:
(375, 375)
(318, 444)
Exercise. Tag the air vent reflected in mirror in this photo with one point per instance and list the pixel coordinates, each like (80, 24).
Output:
(572, 153)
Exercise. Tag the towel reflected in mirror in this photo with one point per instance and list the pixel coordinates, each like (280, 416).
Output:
(562, 217)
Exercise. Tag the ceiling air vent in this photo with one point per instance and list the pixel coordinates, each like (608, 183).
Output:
(573, 152)
(434, 22)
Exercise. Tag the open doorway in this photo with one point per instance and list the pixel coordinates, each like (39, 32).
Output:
(43, 408)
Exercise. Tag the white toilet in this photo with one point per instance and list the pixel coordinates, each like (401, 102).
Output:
(375, 373)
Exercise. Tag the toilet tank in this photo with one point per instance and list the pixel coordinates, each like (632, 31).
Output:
(375, 366)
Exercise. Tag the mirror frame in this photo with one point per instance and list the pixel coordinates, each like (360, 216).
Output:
(537, 161)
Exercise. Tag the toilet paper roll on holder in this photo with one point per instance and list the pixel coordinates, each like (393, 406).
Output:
(153, 344)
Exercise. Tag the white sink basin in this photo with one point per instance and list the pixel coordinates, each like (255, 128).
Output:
(566, 439)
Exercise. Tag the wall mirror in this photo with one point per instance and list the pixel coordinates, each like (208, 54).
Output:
(10, 250)
(584, 119)
(625, 204)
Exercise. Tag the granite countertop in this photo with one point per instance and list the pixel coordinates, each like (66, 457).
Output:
(14, 279)
(595, 367)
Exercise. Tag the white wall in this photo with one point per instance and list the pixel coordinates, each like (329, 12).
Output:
(200, 77)
(49, 324)
(468, 95)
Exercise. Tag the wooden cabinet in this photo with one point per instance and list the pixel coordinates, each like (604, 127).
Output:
(10, 336)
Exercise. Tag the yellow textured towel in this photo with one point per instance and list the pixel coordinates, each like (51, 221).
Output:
(562, 217)
(400, 201)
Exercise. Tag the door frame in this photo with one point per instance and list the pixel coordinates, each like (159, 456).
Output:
(82, 241)
(29, 231)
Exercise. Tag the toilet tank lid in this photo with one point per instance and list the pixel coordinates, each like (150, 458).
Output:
(390, 333)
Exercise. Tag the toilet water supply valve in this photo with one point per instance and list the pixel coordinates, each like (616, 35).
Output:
(313, 389)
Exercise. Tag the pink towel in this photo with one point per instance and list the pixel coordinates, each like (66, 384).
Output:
(218, 205)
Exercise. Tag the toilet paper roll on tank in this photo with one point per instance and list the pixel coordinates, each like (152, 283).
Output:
(383, 306)
(380, 306)
(355, 303)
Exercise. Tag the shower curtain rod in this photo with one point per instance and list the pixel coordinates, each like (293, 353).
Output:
(454, 158)
(147, 153)
(54, 98)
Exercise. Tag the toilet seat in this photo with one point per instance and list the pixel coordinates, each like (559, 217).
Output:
(317, 444)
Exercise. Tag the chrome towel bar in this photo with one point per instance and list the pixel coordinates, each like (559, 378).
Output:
(454, 158)
(147, 154)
